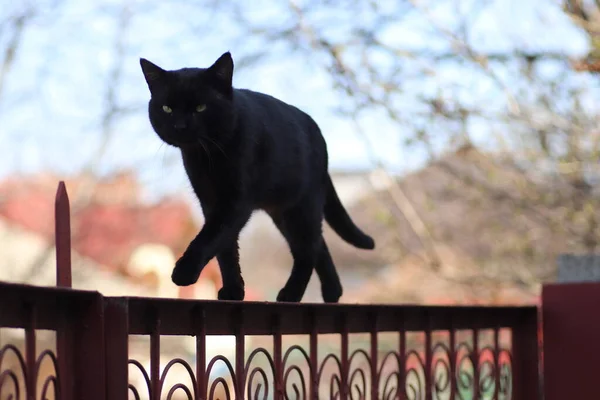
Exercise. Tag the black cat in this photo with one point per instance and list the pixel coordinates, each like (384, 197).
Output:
(244, 151)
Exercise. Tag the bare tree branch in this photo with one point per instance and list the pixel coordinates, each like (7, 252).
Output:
(87, 190)
(17, 25)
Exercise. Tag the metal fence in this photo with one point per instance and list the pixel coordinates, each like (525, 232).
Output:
(352, 351)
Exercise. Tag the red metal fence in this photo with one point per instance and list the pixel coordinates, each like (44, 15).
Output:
(406, 352)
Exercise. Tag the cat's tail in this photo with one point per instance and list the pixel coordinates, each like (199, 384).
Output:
(337, 217)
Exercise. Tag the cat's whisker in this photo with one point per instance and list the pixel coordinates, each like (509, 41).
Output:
(159, 147)
(207, 153)
(216, 145)
(164, 153)
(165, 156)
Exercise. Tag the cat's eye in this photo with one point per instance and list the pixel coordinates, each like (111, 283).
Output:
(201, 108)
(167, 109)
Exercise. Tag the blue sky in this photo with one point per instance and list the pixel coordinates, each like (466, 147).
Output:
(50, 110)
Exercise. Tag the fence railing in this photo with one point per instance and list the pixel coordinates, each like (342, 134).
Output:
(350, 351)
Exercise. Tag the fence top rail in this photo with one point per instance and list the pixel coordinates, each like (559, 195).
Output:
(41, 307)
(38, 307)
(190, 317)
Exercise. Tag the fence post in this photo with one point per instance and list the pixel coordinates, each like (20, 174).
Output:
(525, 357)
(570, 341)
(314, 357)
(80, 332)
(240, 352)
(116, 332)
(62, 236)
(64, 332)
(88, 350)
(199, 322)
(374, 357)
(345, 359)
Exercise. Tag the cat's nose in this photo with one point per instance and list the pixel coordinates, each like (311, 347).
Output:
(180, 125)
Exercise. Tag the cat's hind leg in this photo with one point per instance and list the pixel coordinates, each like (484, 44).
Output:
(301, 227)
(331, 287)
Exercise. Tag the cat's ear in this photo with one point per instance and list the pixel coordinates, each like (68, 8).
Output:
(222, 69)
(153, 74)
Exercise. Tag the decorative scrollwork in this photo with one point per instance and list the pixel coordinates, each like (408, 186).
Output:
(183, 388)
(132, 387)
(50, 379)
(220, 381)
(50, 384)
(505, 375)
(358, 388)
(7, 375)
(258, 372)
(46, 386)
(288, 370)
(487, 372)
(335, 383)
(178, 386)
(440, 371)
(465, 376)
(448, 372)
(12, 376)
(415, 376)
(391, 384)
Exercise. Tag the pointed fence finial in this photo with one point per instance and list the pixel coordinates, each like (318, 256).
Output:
(62, 232)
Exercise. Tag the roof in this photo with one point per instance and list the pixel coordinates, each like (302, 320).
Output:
(111, 229)
(413, 281)
(479, 207)
(109, 233)
(109, 226)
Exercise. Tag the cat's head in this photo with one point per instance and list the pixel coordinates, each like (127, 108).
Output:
(191, 106)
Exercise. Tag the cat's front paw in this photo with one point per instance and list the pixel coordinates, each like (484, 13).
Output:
(231, 293)
(187, 271)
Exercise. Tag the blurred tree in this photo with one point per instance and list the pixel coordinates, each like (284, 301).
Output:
(586, 14)
(529, 106)
(15, 19)
(440, 75)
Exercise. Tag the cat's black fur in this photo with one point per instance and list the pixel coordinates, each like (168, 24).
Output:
(245, 151)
